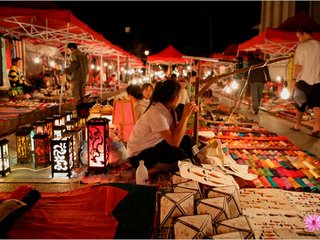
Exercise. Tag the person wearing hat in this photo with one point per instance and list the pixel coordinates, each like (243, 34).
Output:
(257, 78)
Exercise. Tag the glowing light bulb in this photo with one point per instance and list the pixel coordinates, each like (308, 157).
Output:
(98, 68)
(52, 63)
(227, 89)
(278, 78)
(105, 64)
(93, 66)
(110, 67)
(134, 81)
(285, 93)
(234, 85)
(36, 60)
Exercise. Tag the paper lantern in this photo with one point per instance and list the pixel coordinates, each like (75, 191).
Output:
(42, 150)
(76, 133)
(40, 127)
(58, 131)
(62, 155)
(68, 116)
(29, 128)
(4, 157)
(23, 146)
(49, 127)
(98, 145)
(123, 116)
(95, 111)
(59, 120)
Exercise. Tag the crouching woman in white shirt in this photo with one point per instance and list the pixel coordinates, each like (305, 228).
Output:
(157, 137)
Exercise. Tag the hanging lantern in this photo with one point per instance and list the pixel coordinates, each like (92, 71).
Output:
(42, 150)
(68, 115)
(62, 155)
(58, 131)
(98, 145)
(49, 127)
(4, 157)
(23, 145)
(40, 127)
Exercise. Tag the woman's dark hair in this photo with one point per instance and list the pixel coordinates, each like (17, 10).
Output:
(72, 45)
(135, 91)
(146, 85)
(304, 29)
(165, 92)
(15, 60)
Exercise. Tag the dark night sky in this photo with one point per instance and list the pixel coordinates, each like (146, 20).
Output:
(186, 25)
(156, 24)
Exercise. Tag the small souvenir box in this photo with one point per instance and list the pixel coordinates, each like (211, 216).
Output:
(231, 193)
(217, 208)
(190, 227)
(175, 205)
(190, 186)
(235, 224)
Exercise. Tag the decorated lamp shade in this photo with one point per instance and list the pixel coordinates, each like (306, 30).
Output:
(62, 155)
(106, 112)
(76, 133)
(58, 131)
(70, 124)
(42, 150)
(59, 120)
(95, 111)
(23, 145)
(4, 157)
(40, 127)
(68, 115)
(98, 145)
(49, 127)
(30, 128)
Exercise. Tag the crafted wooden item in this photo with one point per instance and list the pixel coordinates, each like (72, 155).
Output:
(76, 133)
(217, 208)
(4, 157)
(175, 205)
(98, 145)
(193, 227)
(62, 155)
(123, 116)
(30, 128)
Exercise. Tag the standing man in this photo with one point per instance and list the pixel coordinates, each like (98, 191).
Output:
(78, 70)
(306, 77)
(257, 78)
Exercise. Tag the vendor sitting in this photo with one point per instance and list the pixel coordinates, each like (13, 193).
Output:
(16, 78)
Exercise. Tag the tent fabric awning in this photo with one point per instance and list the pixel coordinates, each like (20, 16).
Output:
(56, 28)
(169, 55)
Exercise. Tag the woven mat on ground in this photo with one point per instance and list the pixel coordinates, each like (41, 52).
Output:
(137, 212)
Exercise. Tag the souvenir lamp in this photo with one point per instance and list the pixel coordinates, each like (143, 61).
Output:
(98, 145)
(58, 125)
(30, 128)
(62, 155)
(40, 127)
(83, 125)
(4, 157)
(106, 112)
(49, 126)
(123, 117)
(74, 130)
(285, 92)
(42, 150)
(23, 146)
(68, 115)
(95, 111)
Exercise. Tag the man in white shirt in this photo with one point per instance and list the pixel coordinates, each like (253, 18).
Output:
(307, 77)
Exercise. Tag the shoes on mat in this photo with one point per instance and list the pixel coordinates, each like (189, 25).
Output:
(294, 129)
(315, 134)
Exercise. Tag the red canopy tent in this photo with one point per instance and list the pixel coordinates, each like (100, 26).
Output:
(170, 55)
(57, 27)
(280, 41)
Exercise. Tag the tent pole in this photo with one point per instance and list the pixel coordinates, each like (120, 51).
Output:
(64, 76)
(196, 100)
(101, 77)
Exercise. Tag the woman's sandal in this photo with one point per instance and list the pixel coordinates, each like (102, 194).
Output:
(315, 134)
(294, 129)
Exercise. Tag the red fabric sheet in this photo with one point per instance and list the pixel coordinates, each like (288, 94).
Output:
(82, 213)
